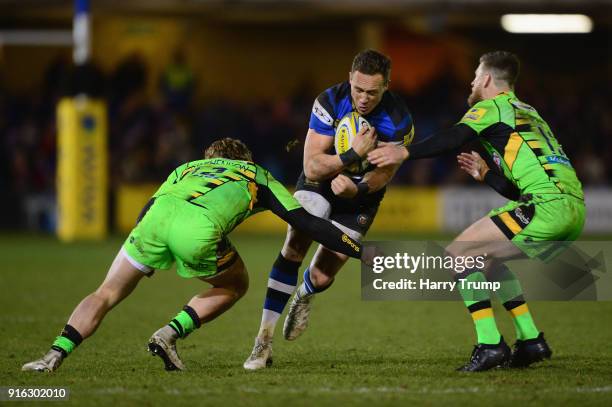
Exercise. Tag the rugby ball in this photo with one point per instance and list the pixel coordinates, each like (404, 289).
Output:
(347, 129)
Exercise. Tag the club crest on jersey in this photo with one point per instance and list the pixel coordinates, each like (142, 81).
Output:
(363, 220)
(497, 159)
(474, 114)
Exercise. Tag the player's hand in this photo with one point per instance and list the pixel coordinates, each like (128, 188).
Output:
(365, 141)
(343, 186)
(388, 154)
(473, 164)
(369, 252)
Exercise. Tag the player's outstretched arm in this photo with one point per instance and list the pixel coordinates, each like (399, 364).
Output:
(319, 165)
(275, 197)
(475, 165)
(439, 143)
(323, 232)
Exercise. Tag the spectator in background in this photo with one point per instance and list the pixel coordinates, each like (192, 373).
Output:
(177, 83)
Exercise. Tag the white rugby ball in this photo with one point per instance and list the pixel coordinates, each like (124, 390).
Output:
(346, 131)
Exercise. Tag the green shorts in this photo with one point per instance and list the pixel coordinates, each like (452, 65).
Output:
(541, 225)
(175, 230)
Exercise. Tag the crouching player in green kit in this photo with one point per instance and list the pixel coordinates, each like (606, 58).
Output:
(187, 222)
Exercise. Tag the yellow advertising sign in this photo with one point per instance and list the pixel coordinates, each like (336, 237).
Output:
(82, 169)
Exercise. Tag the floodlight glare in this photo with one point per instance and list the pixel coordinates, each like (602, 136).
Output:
(547, 23)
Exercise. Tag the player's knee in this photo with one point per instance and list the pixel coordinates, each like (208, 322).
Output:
(241, 286)
(320, 279)
(296, 246)
(106, 296)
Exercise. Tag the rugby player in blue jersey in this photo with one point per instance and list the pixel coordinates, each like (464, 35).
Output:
(327, 190)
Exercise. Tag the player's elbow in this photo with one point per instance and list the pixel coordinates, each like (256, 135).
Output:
(312, 173)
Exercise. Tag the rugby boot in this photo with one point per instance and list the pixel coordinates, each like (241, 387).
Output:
(261, 355)
(163, 344)
(485, 357)
(530, 351)
(296, 320)
(49, 363)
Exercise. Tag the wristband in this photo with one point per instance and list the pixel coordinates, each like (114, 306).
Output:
(362, 189)
(349, 157)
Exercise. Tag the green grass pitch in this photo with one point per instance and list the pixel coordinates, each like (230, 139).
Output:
(354, 352)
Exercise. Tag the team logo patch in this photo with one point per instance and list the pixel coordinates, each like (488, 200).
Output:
(497, 160)
(474, 114)
(363, 220)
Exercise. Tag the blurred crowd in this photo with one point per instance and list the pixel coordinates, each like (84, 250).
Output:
(148, 137)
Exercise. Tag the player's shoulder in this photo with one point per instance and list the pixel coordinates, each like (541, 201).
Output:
(339, 91)
(395, 106)
(334, 95)
(486, 109)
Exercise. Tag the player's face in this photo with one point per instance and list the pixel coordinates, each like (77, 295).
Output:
(477, 86)
(366, 91)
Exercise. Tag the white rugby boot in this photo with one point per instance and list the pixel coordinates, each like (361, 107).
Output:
(49, 363)
(261, 355)
(163, 344)
(296, 320)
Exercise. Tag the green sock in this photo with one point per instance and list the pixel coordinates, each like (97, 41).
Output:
(185, 322)
(478, 303)
(511, 295)
(67, 341)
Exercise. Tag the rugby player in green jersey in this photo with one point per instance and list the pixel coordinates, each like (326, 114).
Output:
(187, 222)
(547, 203)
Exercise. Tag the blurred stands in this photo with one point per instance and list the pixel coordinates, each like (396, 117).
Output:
(152, 129)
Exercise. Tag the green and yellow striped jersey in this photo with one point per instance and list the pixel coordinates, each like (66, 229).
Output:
(523, 146)
(229, 191)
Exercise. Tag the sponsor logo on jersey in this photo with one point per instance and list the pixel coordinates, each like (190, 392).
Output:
(474, 114)
(556, 159)
(350, 242)
(409, 137)
(322, 114)
(521, 216)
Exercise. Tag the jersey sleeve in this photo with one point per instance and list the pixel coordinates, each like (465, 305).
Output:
(322, 116)
(273, 195)
(482, 115)
(403, 133)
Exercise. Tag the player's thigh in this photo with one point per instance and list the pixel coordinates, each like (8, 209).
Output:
(297, 243)
(484, 238)
(543, 226)
(121, 279)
